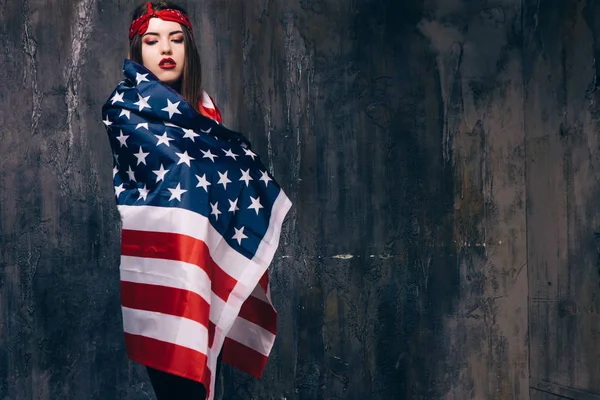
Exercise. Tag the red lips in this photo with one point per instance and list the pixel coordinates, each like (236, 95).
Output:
(167, 63)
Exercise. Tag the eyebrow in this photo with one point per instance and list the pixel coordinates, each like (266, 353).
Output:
(154, 33)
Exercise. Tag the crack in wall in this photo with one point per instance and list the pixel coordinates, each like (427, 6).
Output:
(447, 43)
(298, 59)
(296, 62)
(80, 32)
(30, 48)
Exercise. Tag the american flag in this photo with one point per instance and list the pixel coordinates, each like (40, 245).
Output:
(201, 221)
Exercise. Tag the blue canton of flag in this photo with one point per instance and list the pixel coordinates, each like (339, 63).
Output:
(168, 155)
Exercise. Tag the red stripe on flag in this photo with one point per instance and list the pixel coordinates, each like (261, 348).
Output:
(211, 333)
(260, 313)
(165, 300)
(173, 246)
(243, 358)
(168, 357)
(264, 281)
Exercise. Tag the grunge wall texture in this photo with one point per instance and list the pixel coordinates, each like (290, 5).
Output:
(442, 157)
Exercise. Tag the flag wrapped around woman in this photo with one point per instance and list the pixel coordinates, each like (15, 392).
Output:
(201, 221)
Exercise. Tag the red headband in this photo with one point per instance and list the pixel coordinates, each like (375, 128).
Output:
(140, 25)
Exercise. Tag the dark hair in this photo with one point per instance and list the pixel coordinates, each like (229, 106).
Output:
(191, 80)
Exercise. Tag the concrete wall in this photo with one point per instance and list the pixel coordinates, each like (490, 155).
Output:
(441, 157)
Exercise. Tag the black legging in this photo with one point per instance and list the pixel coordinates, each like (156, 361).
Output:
(172, 387)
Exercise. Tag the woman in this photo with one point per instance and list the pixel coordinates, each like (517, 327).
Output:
(201, 217)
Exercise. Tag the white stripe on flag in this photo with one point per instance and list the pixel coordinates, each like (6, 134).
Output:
(268, 245)
(206, 101)
(259, 293)
(251, 335)
(167, 328)
(170, 273)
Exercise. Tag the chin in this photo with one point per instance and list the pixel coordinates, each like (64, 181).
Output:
(168, 77)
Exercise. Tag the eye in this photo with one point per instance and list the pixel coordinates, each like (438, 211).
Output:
(178, 40)
(150, 42)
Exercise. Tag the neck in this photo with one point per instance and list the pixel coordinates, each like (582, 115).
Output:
(176, 86)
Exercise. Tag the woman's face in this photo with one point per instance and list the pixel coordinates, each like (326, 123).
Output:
(163, 50)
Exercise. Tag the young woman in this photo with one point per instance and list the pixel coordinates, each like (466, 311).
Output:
(201, 217)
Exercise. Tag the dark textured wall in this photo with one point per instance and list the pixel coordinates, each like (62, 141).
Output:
(442, 160)
(562, 112)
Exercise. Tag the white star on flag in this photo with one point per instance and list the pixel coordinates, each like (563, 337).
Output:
(122, 139)
(141, 156)
(117, 97)
(171, 108)
(206, 131)
(249, 153)
(229, 153)
(160, 173)
(255, 204)
(223, 179)
(215, 210)
(184, 158)
(233, 206)
(246, 176)
(131, 174)
(142, 102)
(171, 125)
(239, 235)
(177, 192)
(208, 154)
(164, 139)
(119, 189)
(142, 125)
(115, 171)
(190, 134)
(265, 177)
(126, 113)
(106, 121)
(143, 192)
(141, 78)
(203, 183)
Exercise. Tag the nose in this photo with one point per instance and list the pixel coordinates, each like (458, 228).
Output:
(165, 47)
